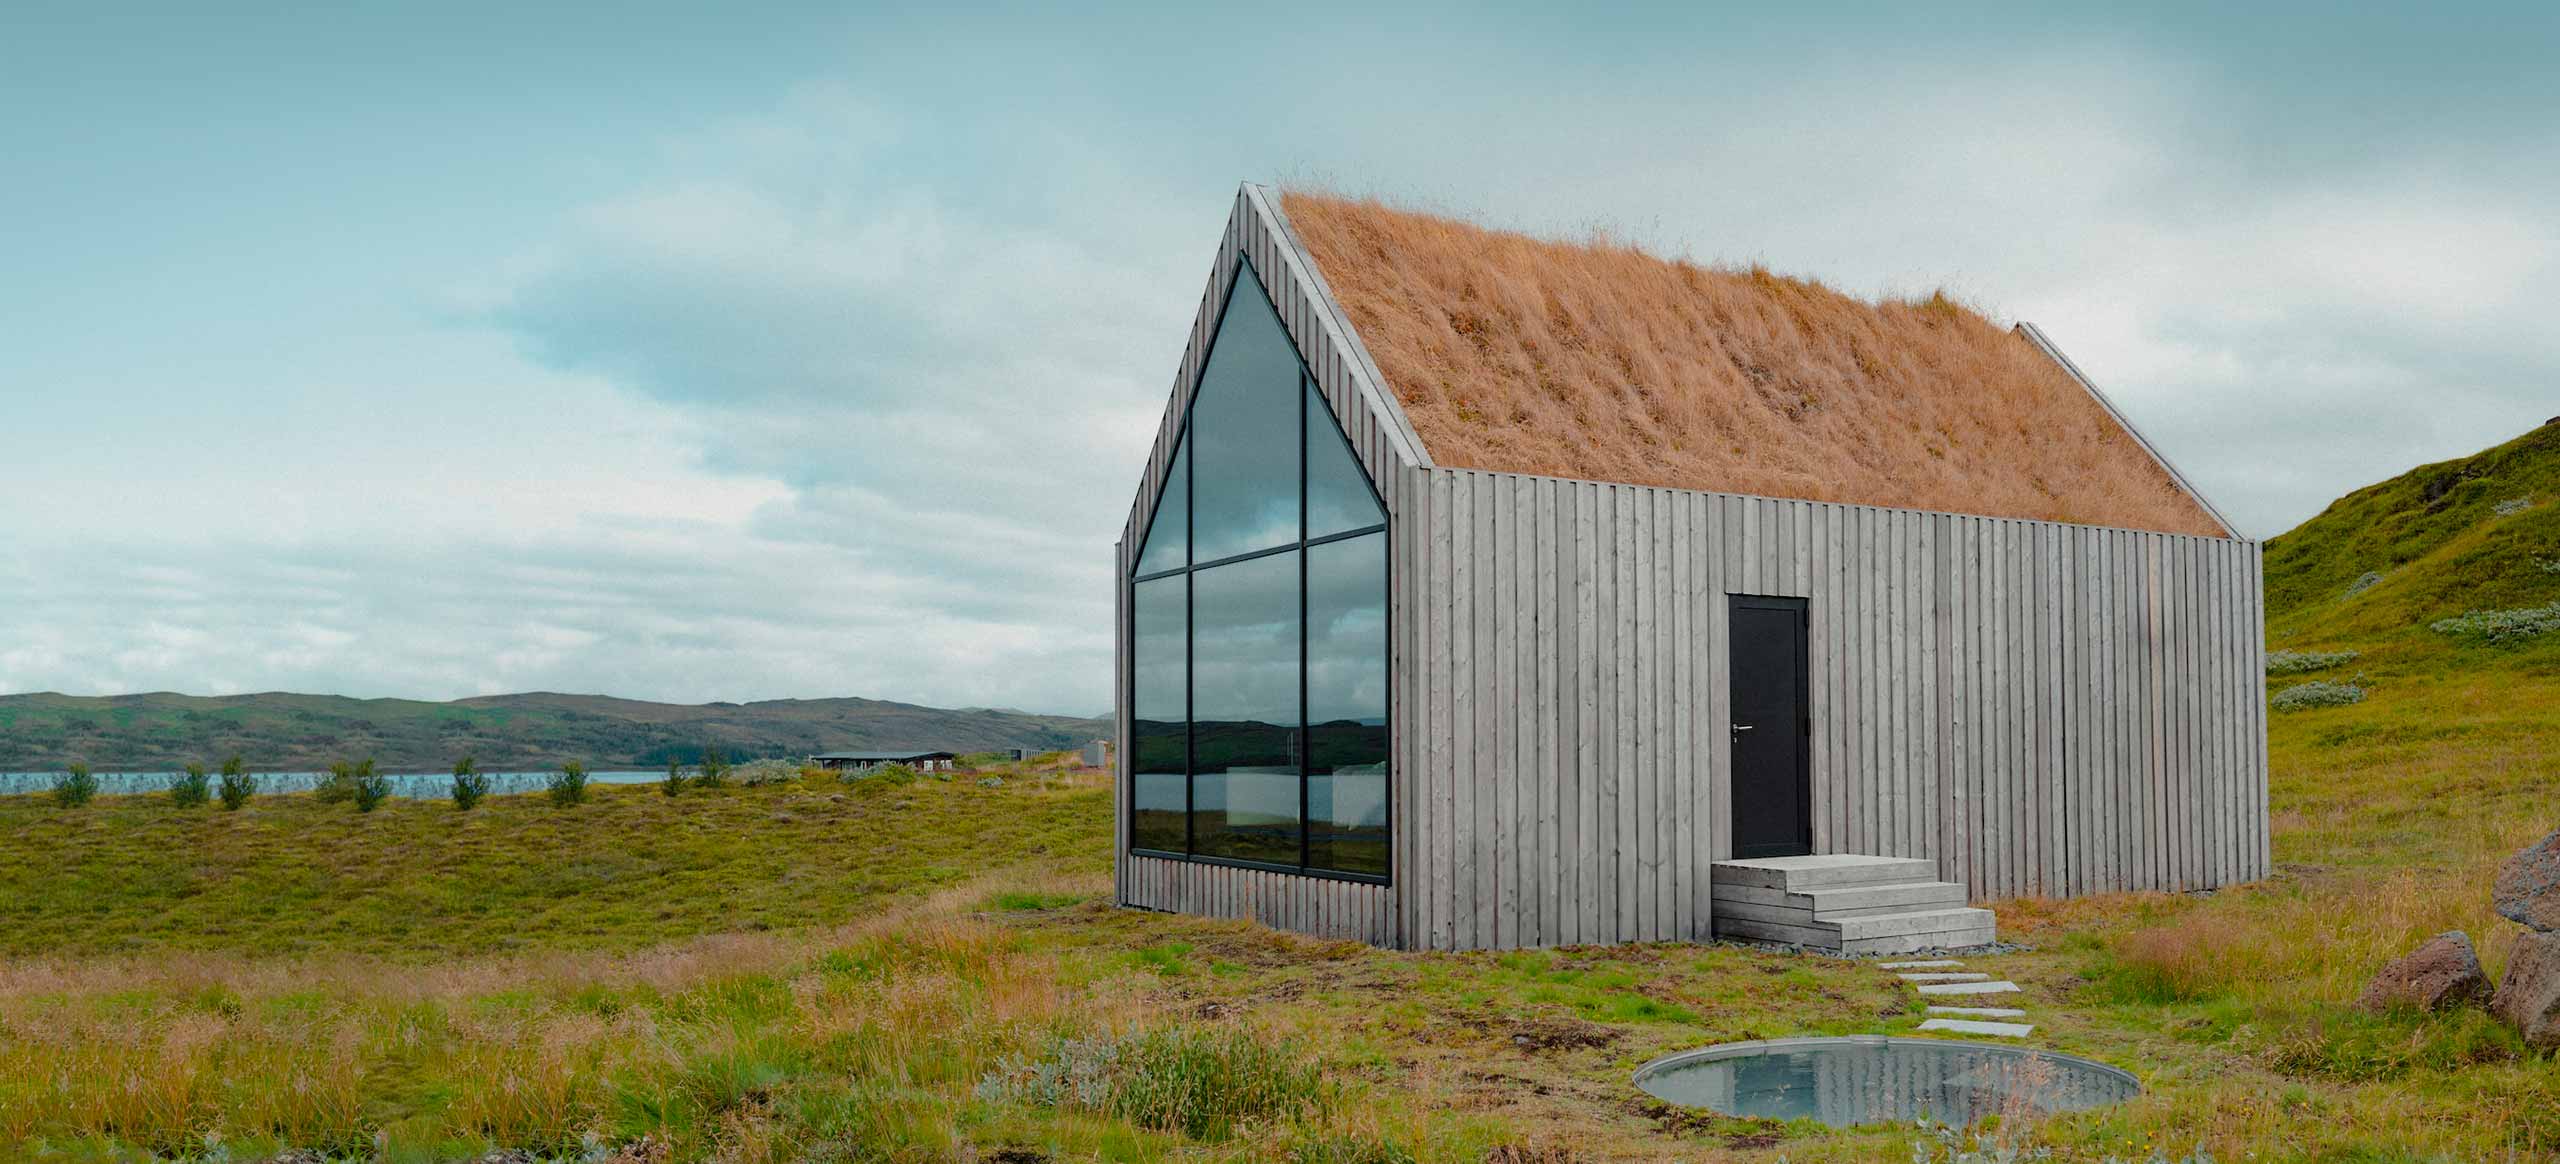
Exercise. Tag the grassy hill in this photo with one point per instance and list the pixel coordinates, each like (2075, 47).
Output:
(2480, 532)
(283, 732)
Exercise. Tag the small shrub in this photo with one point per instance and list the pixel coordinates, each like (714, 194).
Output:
(470, 784)
(990, 781)
(569, 784)
(2365, 581)
(74, 787)
(674, 783)
(191, 788)
(2514, 505)
(2548, 565)
(367, 787)
(1205, 1084)
(2317, 693)
(759, 773)
(237, 785)
(338, 785)
(892, 774)
(2502, 627)
(2298, 662)
(714, 771)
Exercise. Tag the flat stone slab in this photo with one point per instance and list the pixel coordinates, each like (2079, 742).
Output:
(1978, 1011)
(1971, 1027)
(1944, 977)
(1968, 988)
(1935, 964)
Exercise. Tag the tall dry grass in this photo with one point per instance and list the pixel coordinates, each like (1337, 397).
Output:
(693, 1044)
(1596, 360)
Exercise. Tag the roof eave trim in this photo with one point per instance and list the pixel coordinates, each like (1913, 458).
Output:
(2046, 345)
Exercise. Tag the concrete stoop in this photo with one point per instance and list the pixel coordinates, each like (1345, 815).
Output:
(1846, 904)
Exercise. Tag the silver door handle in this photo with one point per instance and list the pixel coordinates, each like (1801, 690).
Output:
(1740, 728)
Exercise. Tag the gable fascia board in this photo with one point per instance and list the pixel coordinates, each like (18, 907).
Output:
(2045, 344)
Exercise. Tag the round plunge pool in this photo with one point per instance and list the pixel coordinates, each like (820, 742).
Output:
(1866, 1079)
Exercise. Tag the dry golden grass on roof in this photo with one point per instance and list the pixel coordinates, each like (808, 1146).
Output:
(1598, 361)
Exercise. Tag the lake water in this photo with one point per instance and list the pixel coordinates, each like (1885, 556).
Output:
(432, 785)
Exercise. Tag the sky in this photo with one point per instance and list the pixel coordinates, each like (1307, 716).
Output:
(747, 351)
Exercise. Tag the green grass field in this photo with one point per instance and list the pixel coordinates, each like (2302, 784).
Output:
(928, 971)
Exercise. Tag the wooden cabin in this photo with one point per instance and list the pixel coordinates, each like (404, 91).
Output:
(1483, 590)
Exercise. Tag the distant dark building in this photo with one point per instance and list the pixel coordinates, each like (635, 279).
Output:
(920, 760)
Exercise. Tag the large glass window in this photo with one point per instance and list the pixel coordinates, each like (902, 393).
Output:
(1259, 666)
(1244, 710)
(1159, 759)
(1347, 704)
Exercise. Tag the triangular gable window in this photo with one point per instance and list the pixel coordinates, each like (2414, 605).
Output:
(1168, 544)
(1244, 425)
(1338, 493)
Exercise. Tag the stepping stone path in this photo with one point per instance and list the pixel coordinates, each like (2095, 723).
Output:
(1948, 976)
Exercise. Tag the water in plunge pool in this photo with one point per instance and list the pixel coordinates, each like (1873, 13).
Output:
(1865, 1079)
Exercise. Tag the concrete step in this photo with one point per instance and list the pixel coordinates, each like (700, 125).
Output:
(1918, 921)
(1893, 933)
(1822, 871)
(1978, 1027)
(1849, 900)
(1915, 943)
(1969, 988)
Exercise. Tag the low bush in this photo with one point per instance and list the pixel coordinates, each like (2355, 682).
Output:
(75, 786)
(1205, 1084)
(2502, 627)
(673, 783)
(237, 784)
(2298, 662)
(367, 787)
(190, 788)
(2513, 505)
(713, 772)
(2365, 581)
(470, 784)
(338, 785)
(759, 773)
(2317, 693)
(892, 774)
(569, 784)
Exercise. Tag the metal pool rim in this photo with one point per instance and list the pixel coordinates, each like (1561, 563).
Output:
(1814, 1042)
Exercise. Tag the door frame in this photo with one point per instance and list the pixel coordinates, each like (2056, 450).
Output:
(1802, 609)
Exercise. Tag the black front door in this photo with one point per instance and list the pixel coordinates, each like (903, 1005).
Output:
(1772, 809)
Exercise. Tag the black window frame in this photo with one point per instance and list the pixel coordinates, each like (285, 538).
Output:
(1308, 388)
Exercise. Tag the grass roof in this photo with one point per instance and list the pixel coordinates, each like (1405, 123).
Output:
(1598, 361)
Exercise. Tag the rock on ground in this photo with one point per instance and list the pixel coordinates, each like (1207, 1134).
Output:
(2528, 885)
(2441, 974)
(2529, 999)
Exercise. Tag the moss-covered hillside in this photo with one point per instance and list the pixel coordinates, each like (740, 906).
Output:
(2480, 532)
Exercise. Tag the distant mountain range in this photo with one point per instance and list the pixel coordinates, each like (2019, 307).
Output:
(278, 731)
